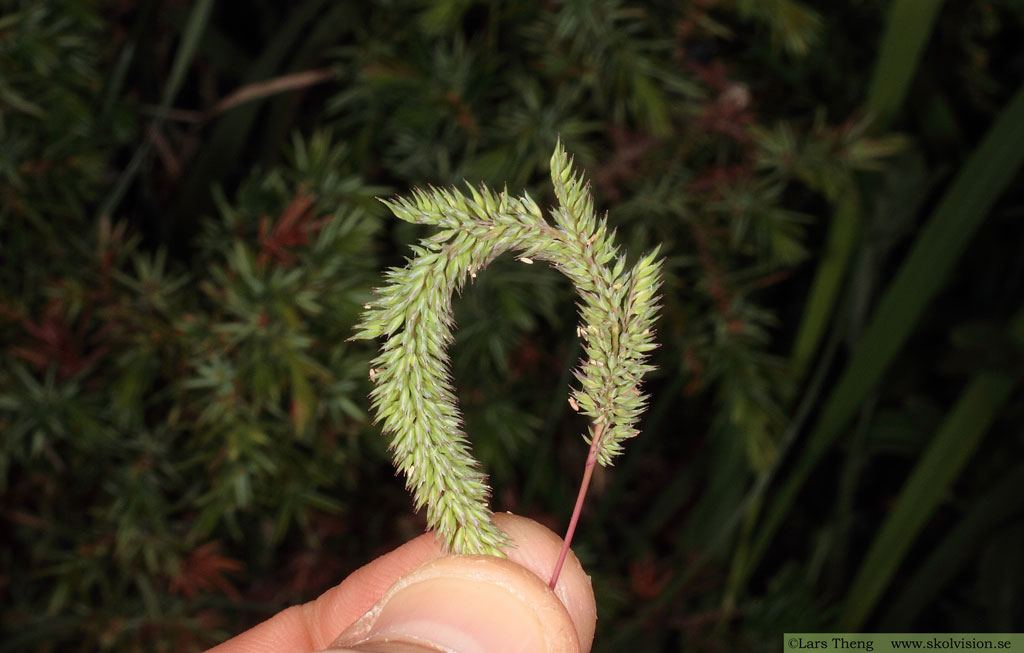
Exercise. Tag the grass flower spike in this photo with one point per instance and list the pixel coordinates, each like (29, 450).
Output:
(413, 394)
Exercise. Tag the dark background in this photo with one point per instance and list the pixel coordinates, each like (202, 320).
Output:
(189, 229)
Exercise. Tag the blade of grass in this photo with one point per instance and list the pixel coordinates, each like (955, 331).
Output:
(932, 258)
(907, 29)
(329, 28)
(194, 29)
(224, 144)
(756, 495)
(828, 279)
(197, 21)
(943, 460)
(266, 88)
(114, 83)
(1000, 504)
(844, 512)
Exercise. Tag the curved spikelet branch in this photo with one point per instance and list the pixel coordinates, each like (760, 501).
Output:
(413, 396)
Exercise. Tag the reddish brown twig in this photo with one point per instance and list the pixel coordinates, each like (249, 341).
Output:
(588, 471)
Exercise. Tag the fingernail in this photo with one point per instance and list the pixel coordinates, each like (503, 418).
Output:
(465, 604)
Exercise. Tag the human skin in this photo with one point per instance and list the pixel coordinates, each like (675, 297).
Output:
(417, 598)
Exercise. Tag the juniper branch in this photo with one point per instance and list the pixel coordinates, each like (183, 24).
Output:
(414, 398)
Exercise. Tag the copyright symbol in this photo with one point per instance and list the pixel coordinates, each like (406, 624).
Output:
(793, 642)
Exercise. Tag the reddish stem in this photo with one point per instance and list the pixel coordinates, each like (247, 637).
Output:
(588, 471)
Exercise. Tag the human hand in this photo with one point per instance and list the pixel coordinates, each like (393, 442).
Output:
(417, 599)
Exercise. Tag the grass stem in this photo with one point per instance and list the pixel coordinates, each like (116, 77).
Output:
(588, 471)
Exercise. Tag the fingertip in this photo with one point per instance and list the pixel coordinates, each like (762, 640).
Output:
(531, 559)
(341, 605)
(536, 548)
(471, 604)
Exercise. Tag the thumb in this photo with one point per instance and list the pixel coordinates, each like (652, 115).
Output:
(467, 604)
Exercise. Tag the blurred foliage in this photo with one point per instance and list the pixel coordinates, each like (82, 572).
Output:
(184, 439)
